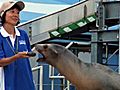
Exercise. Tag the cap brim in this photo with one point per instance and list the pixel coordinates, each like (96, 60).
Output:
(20, 4)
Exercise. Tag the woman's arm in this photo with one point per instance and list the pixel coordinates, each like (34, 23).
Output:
(6, 61)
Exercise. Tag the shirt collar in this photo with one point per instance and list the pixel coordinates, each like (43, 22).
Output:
(6, 34)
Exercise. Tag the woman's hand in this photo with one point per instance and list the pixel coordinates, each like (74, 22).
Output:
(22, 55)
(25, 54)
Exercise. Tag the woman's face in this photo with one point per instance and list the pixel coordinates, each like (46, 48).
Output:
(12, 16)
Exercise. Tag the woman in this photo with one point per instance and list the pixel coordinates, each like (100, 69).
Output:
(14, 45)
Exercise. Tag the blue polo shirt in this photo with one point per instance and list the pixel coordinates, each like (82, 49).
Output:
(18, 74)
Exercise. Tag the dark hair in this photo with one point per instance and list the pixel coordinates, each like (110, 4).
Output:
(4, 15)
(3, 18)
(0, 22)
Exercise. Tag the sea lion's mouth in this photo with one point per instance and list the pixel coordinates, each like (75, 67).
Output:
(40, 49)
(41, 58)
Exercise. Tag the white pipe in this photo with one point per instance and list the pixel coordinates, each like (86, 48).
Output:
(50, 71)
(51, 75)
(69, 45)
(52, 81)
(52, 84)
(41, 78)
(68, 85)
(56, 77)
(41, 75)
(36, 68)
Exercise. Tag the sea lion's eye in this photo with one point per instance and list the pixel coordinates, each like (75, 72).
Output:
(45, 46)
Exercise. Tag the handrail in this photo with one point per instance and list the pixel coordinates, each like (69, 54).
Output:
(36, 68)
(41, 75)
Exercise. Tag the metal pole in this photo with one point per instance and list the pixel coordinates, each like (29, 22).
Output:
(96, 46)
(68, 85)
(52, 84)
(119, 41)
(41, 78)
(70, 44)
(62, 84)
(52, 80)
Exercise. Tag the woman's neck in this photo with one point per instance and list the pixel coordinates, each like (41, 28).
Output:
(9, 28)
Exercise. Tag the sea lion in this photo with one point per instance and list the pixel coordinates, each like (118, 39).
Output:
(85, 76)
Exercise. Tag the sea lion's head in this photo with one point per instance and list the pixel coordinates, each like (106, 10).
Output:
(50, 52)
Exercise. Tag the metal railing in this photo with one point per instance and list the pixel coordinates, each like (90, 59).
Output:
(41, 76)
